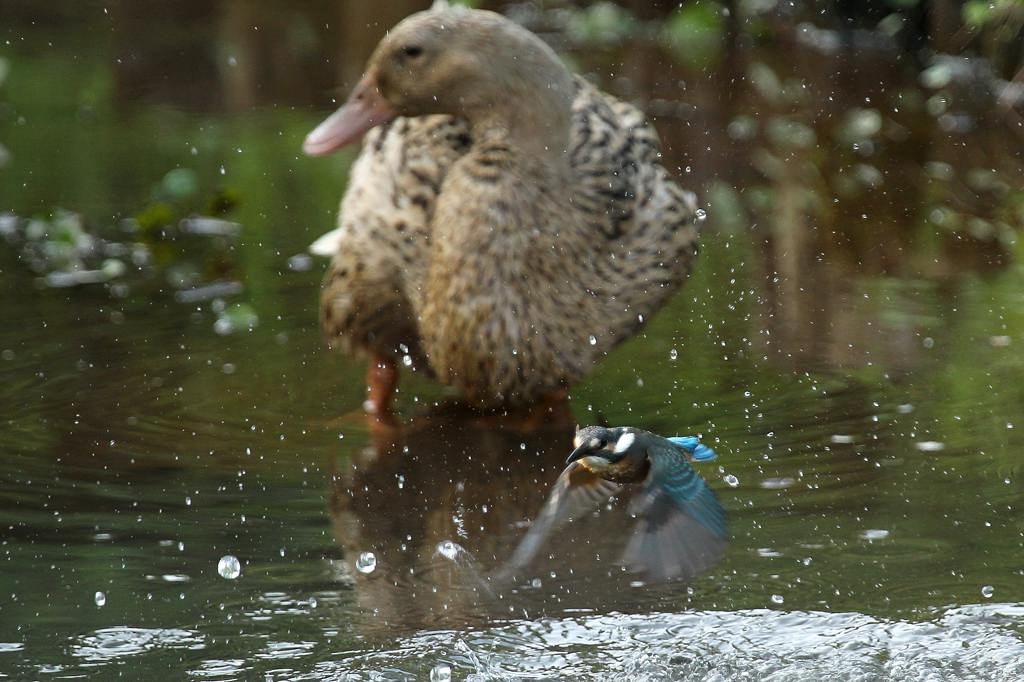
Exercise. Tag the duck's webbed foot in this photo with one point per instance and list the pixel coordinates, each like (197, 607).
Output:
(381, 383)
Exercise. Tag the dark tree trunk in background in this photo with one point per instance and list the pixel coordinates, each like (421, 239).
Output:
(238, 69)
(943, 24)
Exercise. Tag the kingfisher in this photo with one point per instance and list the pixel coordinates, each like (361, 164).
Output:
(681, 526)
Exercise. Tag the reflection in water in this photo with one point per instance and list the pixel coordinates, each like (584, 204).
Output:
(448, 476)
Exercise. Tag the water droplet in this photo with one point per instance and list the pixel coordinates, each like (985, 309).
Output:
(930, 446)
(593, 340)
(842, 439)
(701, 214)
(229, 567)
(536, 583)
(731, 480)
(905, 408)
(448, 549)
(986, 591)
(673, 354)
(407, 360)
(441, 673)
(778, 599)
(366, 563)
(101, 598)
(928, 342)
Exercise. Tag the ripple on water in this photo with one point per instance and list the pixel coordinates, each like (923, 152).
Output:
(749, 644)
(112, 643)
(220, 669)
(286, 650)
(276, 604)
(778, 483)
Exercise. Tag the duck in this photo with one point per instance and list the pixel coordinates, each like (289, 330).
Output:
(506, 223)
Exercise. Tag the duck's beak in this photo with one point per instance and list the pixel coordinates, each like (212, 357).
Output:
(365, 108)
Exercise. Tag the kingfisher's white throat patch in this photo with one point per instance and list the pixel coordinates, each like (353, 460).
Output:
(625, 440)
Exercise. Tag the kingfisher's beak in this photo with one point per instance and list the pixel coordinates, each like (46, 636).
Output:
(579, 453)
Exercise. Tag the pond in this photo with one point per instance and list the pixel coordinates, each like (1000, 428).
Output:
(850, 344)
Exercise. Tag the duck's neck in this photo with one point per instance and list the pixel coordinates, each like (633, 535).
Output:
(529, 107)
(534, 130)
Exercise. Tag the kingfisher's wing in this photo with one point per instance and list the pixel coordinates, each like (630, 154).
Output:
(576, 492)
(694, 449)
(682, 527)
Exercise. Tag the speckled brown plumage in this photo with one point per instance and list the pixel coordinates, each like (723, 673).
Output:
(382, 243)
(508, 259)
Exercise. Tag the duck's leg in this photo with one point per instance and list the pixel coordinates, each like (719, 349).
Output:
(381, 382)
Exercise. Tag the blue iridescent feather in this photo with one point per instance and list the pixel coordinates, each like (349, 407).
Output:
(694, 448)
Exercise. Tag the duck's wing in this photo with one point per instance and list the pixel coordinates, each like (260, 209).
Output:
(645, 226)
(576, 493)
(682, 529)
(380, 249)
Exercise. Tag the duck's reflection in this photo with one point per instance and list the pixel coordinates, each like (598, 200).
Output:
(450, 476)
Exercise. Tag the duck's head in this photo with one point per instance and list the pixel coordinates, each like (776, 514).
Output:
(600, 449)
(452, 60)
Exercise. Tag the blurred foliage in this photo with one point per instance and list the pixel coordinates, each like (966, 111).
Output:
(694, 33)
(602, 24)
(998, 27)
(808, 153)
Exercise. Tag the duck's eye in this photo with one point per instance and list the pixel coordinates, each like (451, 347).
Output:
(412, 51)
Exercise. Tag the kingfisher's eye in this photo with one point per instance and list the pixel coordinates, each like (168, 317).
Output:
(412, 51)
